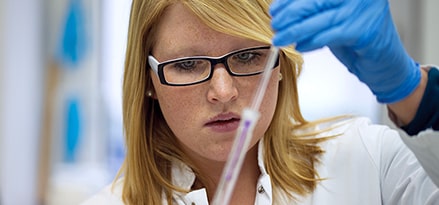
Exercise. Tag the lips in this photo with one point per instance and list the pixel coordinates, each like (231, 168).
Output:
(225, 122)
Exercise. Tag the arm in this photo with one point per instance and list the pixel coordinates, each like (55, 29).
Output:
(419, 111)
(362, 35)
(404, 111)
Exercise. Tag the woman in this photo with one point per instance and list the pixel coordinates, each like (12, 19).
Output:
(191, 68)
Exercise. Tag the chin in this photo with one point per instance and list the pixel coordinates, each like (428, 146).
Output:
(217, 154)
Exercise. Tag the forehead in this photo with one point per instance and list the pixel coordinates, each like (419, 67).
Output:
(181, 33)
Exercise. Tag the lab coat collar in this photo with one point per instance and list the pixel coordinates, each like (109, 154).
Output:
(184, 177)
(264, 179)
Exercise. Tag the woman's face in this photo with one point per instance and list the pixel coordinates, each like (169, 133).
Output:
(205, 117)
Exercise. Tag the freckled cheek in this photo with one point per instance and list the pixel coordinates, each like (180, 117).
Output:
(178, 108)
(176, 103)
(176, 114)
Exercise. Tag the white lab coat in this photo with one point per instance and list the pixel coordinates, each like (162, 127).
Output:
(368, 164)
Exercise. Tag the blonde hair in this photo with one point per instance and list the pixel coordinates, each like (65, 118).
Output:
(151, 146)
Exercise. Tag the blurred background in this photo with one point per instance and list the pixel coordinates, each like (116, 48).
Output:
(61, 65)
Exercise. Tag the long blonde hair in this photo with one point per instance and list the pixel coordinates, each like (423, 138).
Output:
(151, 146)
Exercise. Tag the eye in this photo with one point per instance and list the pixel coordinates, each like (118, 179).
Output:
(245, 56)
(186, 65)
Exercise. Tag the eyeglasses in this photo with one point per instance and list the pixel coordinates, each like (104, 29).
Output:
(198, 69)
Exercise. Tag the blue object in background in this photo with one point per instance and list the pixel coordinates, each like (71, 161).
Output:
(71, 52)
(73, 42)
(72, 129)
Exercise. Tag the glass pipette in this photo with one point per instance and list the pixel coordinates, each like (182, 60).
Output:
(243, 136)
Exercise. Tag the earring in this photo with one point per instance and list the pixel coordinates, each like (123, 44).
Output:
(280, 76)
(149, 93)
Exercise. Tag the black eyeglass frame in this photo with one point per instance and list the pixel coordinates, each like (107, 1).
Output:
(157, 66)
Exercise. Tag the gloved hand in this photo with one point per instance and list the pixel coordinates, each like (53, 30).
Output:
(360, 33)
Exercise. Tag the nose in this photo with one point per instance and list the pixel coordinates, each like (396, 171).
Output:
(222, 88)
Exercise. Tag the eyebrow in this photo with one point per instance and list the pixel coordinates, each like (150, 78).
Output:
(182, 53)
(174, 53)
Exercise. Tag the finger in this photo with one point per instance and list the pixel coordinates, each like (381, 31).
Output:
(277, 5)
(330, 38)
(335, 36)
(308, 28)
(297, 11)
(346, 57)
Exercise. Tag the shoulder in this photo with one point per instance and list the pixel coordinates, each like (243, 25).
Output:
(110, 195)
(361, 130)
(359, 139)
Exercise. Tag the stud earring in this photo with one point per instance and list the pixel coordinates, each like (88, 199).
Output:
(280, 76)
(149, 93)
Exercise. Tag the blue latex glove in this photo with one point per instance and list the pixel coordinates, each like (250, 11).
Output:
(360, 33)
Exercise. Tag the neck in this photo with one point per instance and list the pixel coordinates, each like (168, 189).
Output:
(245, 184)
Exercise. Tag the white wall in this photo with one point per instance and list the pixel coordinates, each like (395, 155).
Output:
(21, 90)
(327, 89)
(430, 32)
(115, 18)
(406, 14)
(1, 92)
(418, 27)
